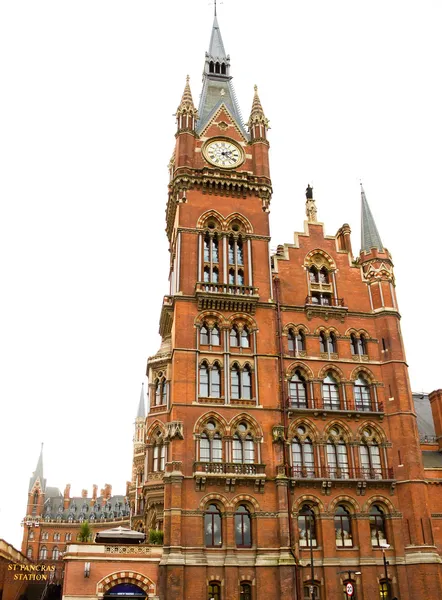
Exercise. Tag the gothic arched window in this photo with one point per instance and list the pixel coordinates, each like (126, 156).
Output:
(214, 591)
(245, 338)
(353, 344)
(245, 591)
(243, 446)
(211, 444)
(370, 455)
(243, 527)
(241, 382)
(212, 526)
(361, 390)
(337, 457)
(55, 553)
(303, 458)
(160, 391)
(332, 343)
(323, 275)
(378, 531)
(313, 275)
(298, 391)
(234, 337)
(330, 393)
(343, 530)
(323, 342)
(307, 526)
(210, 380)
(43, 553)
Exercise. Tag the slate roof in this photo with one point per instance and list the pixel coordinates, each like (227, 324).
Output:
(38, 473)
(370, 237)
(218, 88)
(425, 423)
(84, 509)
(141, 410)
(432, 460)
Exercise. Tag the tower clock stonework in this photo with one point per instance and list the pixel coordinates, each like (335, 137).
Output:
(279, 401)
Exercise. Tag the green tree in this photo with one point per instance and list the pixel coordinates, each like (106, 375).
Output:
(85, 534)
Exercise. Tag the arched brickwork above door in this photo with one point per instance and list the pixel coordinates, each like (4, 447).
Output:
(110, 581)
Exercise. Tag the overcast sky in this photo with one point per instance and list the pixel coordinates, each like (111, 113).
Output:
(88, 89)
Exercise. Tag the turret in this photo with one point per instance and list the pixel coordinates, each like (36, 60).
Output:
(258, 125)
(376, 262)
(37, 488)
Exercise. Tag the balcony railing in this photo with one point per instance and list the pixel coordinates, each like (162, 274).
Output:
(226, 296)
(219, 468)
(324, 404)
(342, 473)
(325, 301)
(226, 288)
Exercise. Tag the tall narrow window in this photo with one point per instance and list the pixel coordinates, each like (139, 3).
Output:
(322, 342)
(313, 275)
(362, 346)
(35, 503)
(55, 553)
(215, 382)
(234, 337)
(29, 553)
(160, 391)
(323, 275)
(384, 590)
(300, 341)
(332, 344)
(235, 382)
(209, 336)
(361, 391)
(214, 591)
(204, 379)
(245, 338)
(377, 526)
(307, 526)
(245, 592)
(214, 336)
(291, 340)
(343, 530)
(243, 447)
(298, 391)
(204, 336)
(303, 457)
(330, 393)
(243, 533)
(211, 444)
(353, 344)
(246, 380)
(337, 457)
(212, 526)
(158, 458)
(370, 457)
(43, 553)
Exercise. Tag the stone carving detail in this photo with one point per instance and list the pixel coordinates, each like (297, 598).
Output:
(278, 433)
(127, 549)
(174, 429)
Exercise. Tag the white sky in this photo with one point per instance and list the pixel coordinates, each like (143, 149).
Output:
(88, 90)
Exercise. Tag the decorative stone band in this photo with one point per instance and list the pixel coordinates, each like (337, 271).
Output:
(127, 549)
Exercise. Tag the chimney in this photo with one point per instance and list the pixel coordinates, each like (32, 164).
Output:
(66, 496)
(84, 493)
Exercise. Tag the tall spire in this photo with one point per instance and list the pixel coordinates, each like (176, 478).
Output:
(217, 86)
(186, 105)
(141, 410)
(258, 123)
(370, 237)
(38, 473)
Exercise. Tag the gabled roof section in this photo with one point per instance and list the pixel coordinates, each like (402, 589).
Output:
(370, 237)
(217, 85)
(37, 475)
(217, 113)
(141, 414)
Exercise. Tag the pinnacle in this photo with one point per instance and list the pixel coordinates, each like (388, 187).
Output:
(257, 112)
(186, 104)
(370, 237)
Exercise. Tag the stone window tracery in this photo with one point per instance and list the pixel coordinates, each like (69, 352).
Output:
(337, 455)
(330, 392)
(158, 460)
(303, 458)
(160, 389)
(243, 445)
(370, 456)
(298, 390)
(211, 443)
(210, 380)
(296, 341)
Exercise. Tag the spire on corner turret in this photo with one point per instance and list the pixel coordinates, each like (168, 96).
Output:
(141, 414)
(186, 113)
(217, 86)
(258, 123)
(370, 237)
(37, 475)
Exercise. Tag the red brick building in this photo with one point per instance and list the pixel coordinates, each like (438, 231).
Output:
(280, 452)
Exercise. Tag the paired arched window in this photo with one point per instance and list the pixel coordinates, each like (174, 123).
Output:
(243, 447)
(209, 336)
(212, 526)
(337, 456)
(378, 531)
(211, 444)
(160, 391)
(343, 530)
(211, 254)
(298, 390)
(211, 275)
(236, 252)
(330, 393)
(361, 390)
(241, 382)
(328, 343)
(358, 345)
(29, 553)
(239, 338)
(55, 553)
(296, 341)
(43, 553)
(384, 589)
(243, 527)
(303, 458)
(56, 537)
(307, 526)
(210, 380)
(308, 594)
(313, 274)
(68, 537)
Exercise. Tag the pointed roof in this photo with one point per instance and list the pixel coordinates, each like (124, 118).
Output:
(370, 237)
(216, 46)
(257, 112)
(217, 86)
(141, 410)
(38, 473)
(186, 104)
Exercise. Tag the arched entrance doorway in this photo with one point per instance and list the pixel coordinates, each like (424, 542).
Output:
(125, 590)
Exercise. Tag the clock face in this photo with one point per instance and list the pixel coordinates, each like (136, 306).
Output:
(222, 153)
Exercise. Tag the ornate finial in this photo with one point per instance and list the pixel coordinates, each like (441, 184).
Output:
(255, 87)
(187, 78)
(310, 206)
